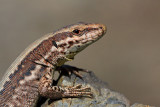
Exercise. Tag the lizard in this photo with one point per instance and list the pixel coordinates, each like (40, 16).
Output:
(31, 74)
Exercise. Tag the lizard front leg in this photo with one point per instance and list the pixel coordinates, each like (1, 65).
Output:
(56, 92)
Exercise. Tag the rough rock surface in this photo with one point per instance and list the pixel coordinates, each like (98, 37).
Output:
(102, 95)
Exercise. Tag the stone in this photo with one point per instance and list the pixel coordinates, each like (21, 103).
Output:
(103, 95)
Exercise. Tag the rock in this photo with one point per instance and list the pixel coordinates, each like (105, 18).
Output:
(103, 96)
(140, 105)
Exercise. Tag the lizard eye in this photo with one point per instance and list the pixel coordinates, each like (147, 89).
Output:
(76, 31)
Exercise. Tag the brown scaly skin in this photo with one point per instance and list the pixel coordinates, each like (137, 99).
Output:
(31, 74)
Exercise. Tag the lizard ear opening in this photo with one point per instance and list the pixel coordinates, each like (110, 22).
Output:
(55, 44)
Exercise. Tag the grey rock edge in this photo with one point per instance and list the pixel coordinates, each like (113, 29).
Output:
(102, 95)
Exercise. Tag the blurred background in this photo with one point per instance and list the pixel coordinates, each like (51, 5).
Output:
(127, 57)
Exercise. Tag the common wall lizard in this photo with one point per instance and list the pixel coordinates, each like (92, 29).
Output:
(31, 74)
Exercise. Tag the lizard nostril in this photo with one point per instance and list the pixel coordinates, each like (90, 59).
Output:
(103, 27)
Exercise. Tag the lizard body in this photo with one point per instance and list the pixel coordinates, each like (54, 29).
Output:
(31, 74)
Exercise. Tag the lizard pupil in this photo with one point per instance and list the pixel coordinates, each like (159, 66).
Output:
(76, 31)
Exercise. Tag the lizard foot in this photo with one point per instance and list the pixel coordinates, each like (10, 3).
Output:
(77, 91)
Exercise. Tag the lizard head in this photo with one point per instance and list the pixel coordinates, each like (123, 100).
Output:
(78, 37)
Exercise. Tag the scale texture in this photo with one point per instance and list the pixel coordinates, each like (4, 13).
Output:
(31, 74)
